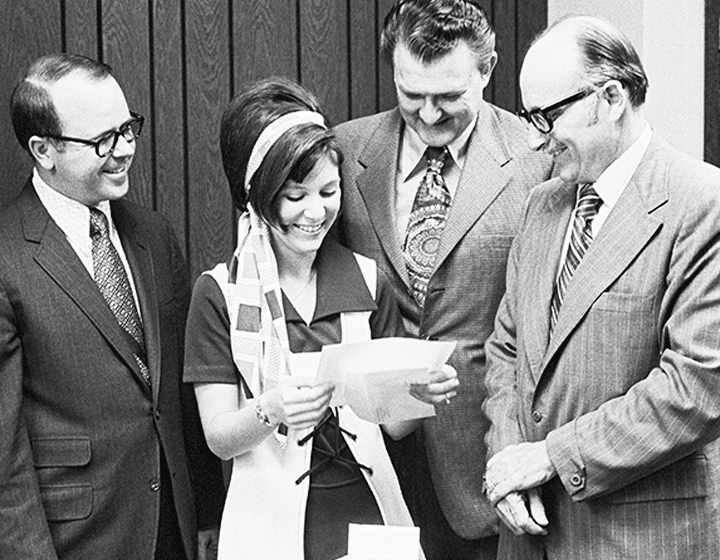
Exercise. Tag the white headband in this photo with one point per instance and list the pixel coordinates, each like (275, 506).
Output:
(272, 133)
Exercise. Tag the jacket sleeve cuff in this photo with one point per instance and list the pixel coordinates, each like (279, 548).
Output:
(565, 456)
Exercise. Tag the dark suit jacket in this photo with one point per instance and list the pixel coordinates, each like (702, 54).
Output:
(627, 388)
(81, 438)
(466, 287)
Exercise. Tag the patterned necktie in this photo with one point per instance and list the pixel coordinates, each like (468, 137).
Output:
(114, 285)
(426, 223)
(580, 239)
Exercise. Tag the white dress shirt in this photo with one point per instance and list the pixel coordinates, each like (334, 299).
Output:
(73, 218)
(610, 185)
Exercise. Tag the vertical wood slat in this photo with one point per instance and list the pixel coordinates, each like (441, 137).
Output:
(264, 39)
(81, 29)
(208, 89)
(125, 45)
(323, 55)
(712, 81)
(28, 30)
(387, 97)
(167, 115)
(179, 63)
(363, 58)
(504, 87)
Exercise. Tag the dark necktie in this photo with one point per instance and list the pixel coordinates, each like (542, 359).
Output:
(114, 285)
(426, 223)
(580, 239)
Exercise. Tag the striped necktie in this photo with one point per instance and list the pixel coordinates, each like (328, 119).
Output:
(580, 239)
(111, 278)
(426, 224)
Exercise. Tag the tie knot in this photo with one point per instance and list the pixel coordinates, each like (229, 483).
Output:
(588, 202)
(436, 157)
(98, 223)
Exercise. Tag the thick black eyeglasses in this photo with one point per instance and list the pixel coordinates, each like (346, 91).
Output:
(105, 145)
(540, 118)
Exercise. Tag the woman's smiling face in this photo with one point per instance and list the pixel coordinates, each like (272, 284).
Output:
(306, 211)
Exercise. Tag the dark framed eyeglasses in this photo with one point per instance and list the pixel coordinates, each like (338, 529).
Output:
(105, 145)
(541, 119)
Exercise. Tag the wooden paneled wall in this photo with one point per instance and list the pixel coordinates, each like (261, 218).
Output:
(180, 61)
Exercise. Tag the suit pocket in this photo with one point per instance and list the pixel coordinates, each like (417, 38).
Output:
(61, 452)
(683, 479)
(58, 464)
(67, 502)
(619, 302)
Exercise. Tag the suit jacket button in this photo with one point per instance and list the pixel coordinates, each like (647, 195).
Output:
(576, 480)
(155, 486)
(537, 416)
(157, 415)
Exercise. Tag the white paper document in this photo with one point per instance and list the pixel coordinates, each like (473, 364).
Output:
(374, 377)
(382, 542)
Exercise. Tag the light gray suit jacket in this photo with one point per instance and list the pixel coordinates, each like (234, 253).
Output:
(466, 287)
(627, 389)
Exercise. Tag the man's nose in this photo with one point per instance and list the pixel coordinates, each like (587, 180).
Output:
(429, 112)
(536, 139)
(123, 148)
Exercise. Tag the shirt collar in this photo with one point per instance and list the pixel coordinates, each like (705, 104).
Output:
(341, 287)
(612, 182)
(412, 151)
(71, 216)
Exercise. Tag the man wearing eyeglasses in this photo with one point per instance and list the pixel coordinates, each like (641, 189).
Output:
(604, 367)
(98, 435)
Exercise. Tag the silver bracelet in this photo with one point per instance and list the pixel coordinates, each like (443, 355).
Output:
(262, 416)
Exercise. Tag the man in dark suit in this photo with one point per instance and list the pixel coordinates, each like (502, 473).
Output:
(440, 226)
(604, 367)
(99, 436)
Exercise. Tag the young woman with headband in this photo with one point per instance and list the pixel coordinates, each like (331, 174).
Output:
(301, 470)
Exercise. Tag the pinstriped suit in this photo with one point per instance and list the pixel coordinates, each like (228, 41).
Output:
(465, 288)
(626, 391)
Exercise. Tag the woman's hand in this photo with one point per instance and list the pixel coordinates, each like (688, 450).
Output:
(298, 403)
(440, 389)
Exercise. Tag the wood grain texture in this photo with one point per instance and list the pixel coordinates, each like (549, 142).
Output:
(712, 81)
(167, 115)
(126, 47)
(28, 29)
(180, 62)
(208, 91)
(81, 28)
(264, 40)
(324, 55)
(363, 59)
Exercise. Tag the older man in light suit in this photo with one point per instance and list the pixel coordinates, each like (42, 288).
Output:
(488, 173)
(604, 367)
(101, 451)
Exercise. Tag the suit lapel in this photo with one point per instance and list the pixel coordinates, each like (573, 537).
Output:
(627, 231)
(57, 258)
(537, 279)
(377, 187)
(141, 265)
(482, 179)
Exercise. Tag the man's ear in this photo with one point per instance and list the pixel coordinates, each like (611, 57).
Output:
(42, 151)
(617, 98)
(492, 62)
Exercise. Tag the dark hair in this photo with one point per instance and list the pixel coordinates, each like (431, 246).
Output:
(608, 55)
(431, 29)
(32, 110)
(291, 158)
